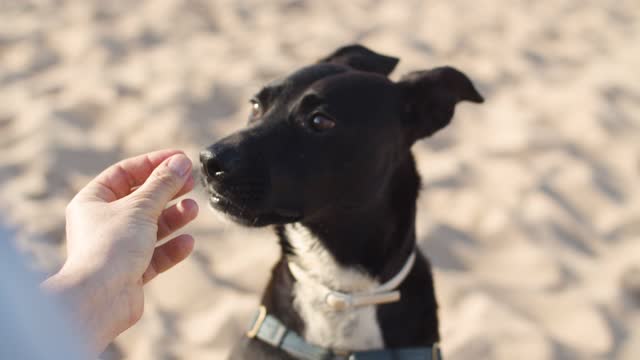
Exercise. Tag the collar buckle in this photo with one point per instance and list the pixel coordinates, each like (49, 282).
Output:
(342, 355)
(338, 301)
(262, 314)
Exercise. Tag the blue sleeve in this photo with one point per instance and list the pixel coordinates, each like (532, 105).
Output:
(31, 325)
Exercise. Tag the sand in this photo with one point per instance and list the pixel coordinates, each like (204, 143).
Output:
(530, 211)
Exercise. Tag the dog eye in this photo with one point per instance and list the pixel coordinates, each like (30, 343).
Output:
(256, 110)
(321, 122)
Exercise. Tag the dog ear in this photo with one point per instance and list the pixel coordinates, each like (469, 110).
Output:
(431, 96)
(360, 58)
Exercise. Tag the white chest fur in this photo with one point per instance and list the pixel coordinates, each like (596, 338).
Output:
(349, 329)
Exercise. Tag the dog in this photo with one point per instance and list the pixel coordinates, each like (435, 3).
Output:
(326, 161)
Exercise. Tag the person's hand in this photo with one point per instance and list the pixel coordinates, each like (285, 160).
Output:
(113, 225)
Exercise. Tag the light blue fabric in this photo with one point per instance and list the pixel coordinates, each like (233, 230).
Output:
(31, 326)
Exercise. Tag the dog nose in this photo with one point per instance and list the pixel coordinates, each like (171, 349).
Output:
(211, 165)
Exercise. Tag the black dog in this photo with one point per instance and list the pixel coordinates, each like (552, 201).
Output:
(326, 160)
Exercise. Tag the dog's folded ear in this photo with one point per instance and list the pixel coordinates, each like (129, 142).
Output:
(431, 96)
(360, 58)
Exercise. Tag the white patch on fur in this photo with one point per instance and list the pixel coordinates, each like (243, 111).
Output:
(351, 329)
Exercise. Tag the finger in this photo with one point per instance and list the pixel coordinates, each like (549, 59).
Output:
(176, 216)
(188, 186)
(161, 186)
(168, 255)
(117, 181)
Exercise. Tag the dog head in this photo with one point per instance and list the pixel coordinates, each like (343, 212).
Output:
(329, 136)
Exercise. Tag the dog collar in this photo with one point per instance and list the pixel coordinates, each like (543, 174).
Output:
(382, 294)
(270, 330)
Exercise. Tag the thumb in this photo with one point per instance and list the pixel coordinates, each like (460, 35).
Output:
(163, 184)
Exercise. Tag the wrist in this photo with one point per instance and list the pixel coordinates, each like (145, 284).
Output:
(86, 302)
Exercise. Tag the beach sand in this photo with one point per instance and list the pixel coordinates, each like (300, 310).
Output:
(530, 211)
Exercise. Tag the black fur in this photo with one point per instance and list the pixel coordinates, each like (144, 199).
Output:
(353, 185)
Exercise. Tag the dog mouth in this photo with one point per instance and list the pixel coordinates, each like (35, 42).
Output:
(217, 200)
(244, 203)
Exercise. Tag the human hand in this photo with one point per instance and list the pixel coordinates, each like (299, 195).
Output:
(113, 225)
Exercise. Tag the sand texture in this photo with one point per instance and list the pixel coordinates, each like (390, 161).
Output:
(530, 211)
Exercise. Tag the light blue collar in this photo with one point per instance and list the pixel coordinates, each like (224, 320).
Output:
(270, 330)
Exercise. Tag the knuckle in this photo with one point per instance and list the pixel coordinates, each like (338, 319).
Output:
(165, 226)
(140, 203)
(137, 200)
(164, 179)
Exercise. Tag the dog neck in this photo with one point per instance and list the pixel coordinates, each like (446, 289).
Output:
(384, 294)
(353, 252)
(376, 238)
(361, 247)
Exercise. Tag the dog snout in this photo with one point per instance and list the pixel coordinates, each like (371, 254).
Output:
(211, 164)
(221, 162)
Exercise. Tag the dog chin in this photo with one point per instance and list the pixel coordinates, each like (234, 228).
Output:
(248, 218)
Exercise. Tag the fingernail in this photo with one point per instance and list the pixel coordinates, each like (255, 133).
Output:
(179, 164)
